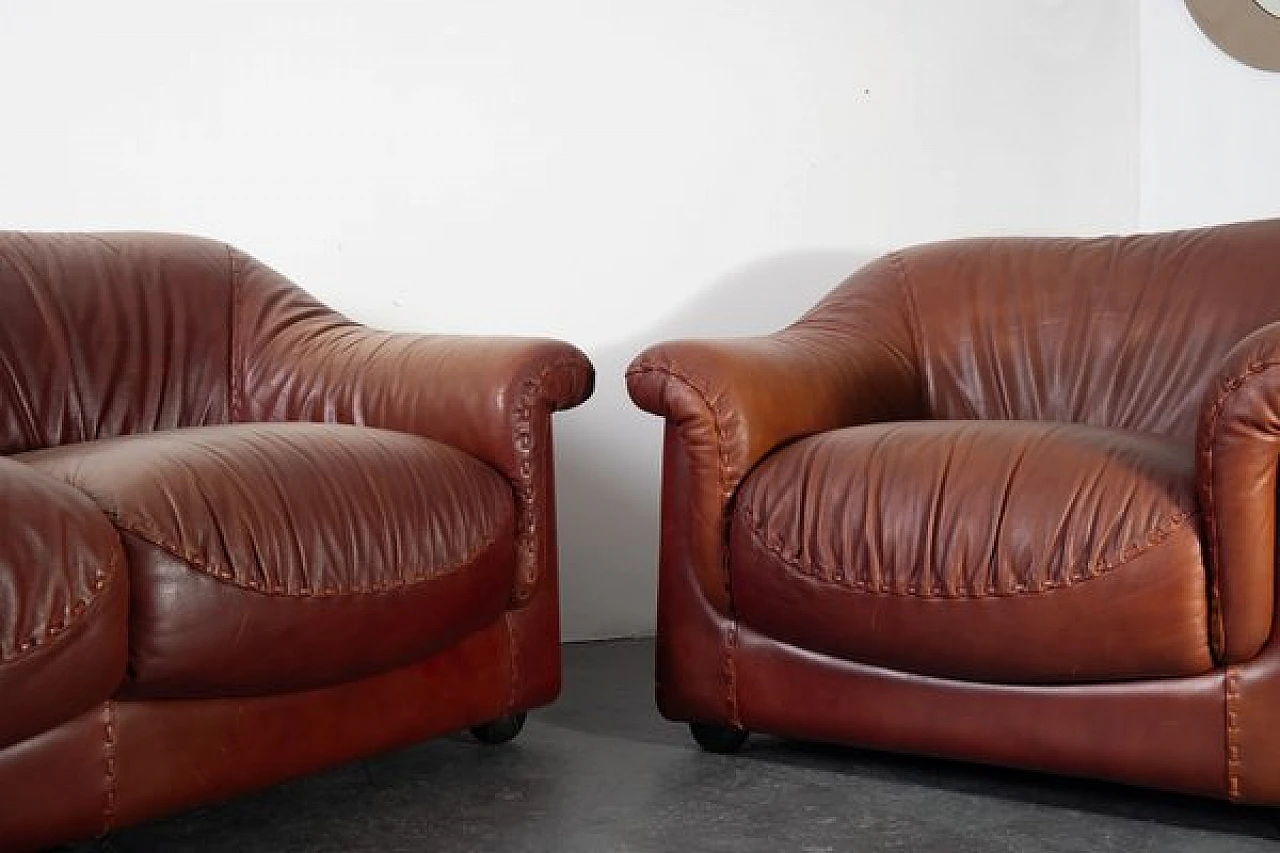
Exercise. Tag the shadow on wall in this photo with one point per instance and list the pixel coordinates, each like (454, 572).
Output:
(609, 452)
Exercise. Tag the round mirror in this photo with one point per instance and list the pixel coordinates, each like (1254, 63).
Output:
(1248, 30)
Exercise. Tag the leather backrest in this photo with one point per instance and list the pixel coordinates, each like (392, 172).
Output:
(1125, 332)
(111, 334)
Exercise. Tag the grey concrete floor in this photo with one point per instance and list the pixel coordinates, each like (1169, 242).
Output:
(600, 771)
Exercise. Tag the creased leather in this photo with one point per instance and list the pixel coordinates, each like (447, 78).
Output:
(1132, 333)
(110, 334)
(63, 598)
(280, 556)
(1123, 332)
(1002, 551)
(492, 397)
(733, 401)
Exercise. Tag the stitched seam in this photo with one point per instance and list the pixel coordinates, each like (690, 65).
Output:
(236, 404)
(1211, 516)
(675, 373)
(1235, 754)
(149, 534)
(1080, 574)
(731, 675)
(109, 759)
(527, 520)
(49, 636)
(515, 663)
(731, 692)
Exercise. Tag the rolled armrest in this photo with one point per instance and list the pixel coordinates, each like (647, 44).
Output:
(475, 393)
(1237, 446)
(747, 396)
(491, 397)
(729, 402)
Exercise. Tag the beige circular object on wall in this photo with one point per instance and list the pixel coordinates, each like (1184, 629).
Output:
(1249, 30)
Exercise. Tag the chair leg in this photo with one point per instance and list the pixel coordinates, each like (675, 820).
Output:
(500, 730)
(722, 740)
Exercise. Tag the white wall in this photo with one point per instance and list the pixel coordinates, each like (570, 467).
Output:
(611, 173)
(1209, 127)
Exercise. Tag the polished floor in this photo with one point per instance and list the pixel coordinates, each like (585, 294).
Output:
(601, 772)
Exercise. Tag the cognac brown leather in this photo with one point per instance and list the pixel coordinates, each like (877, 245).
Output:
(1001, 551)
(1096, 541)
(309, 540)
(64, 596)
(271, 557)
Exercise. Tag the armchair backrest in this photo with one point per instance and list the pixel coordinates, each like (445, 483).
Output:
(1125, 332)
(111, 334)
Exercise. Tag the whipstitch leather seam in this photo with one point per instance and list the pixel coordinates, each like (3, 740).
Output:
(149, 534)
(235, 379)
(522, 437)
(50, 634)
(1211, 516)
(731, 637)
(514, 650)
(815, 571)
(109, 759)
(731, 674)
(673, 372)
(1235, 756)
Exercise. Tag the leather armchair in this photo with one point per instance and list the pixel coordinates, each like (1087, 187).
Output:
(242, 537)
(1005, 500)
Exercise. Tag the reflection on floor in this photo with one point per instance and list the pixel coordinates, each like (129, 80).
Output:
(600, 772)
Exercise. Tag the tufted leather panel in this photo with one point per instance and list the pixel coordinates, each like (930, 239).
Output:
(994, 551)
(268, 557)
(110, 334)
(63, 598)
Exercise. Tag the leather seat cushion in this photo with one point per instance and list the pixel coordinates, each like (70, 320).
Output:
(273, 557)
(1003, 551)
(64, 596)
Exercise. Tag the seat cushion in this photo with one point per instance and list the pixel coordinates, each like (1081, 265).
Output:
(274, 557)
(1002, 551)
(64, 596)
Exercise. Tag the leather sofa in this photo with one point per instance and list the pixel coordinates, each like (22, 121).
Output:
(242, 537)
(1003, 500)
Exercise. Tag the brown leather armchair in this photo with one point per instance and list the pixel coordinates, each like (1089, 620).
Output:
(242, 537)
(1004, 500)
